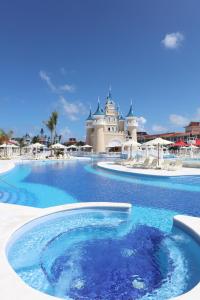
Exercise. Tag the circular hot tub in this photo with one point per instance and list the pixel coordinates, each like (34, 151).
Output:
(104, 254)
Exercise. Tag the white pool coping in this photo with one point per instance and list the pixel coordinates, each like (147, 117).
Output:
(6, 165)
(149, 172)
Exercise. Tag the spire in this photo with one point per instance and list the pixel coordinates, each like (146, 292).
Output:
(130, 113)
(90, 115)
(109, 92)
(99, 110)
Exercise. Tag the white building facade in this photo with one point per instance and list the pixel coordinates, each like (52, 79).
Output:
(107, 128)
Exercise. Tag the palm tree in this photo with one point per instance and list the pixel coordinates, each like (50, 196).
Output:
(54, 116)
(51, 125)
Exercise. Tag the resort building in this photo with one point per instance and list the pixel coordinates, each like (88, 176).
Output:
(107, 129)
(192, 132)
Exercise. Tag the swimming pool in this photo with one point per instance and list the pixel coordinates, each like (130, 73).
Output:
(145, 240)
(44, 184)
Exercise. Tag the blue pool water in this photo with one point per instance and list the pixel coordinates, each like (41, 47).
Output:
(105, 255)
(47, 184)
(143, 258)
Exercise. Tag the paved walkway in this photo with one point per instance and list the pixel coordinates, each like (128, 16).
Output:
(149, 172)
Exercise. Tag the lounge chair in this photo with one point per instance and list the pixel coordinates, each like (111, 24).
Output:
(177, 165)
(143, 164)
(171, 165)
(153, 164)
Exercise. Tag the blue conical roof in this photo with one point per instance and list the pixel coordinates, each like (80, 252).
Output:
(90, 116)
(121, 118)
(130, 113)
(99, 110)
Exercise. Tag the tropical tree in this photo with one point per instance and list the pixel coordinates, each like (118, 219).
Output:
(51, 125)
(5, 138)
(54, 116)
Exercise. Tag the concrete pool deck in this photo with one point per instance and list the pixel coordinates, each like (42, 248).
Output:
(13, 217)
(6, 165)
(149, 172)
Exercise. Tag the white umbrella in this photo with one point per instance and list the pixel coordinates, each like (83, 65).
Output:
(72, 147)
(36, 145)
(86, 146)
(130, 144)
(58, 146)
(8, 146)
(158, 142)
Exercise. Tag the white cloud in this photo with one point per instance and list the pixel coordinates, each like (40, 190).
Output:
(45, 77)
(67, 88)
(56, 89)
(141, 122)
(159, 128)
(72, 110)
(173, 40)
(178, 120)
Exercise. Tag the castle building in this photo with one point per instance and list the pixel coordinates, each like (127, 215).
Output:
(107, 128)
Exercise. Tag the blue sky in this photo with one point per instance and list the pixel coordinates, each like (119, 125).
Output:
(64, 54)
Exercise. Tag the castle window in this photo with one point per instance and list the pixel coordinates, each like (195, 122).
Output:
(108, 128)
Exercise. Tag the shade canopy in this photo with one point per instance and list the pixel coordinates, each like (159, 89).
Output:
(8, 146)
(35, 145)
(180, 143)
(86, 146)
(197, 142)
(157, 141)
(58, 146)
(72, 147)
(114, 144)
(131, 143)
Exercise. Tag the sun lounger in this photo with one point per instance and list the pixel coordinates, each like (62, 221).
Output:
(143, 164)
(177, 165)
(171, 165)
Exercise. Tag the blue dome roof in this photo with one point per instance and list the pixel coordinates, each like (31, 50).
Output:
(99, 110)
(90, 116)
(130, 113)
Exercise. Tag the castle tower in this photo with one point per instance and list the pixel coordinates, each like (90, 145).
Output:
(89, 127)
(99, 123)
(132, 124)
(110, 108)
(121, 123)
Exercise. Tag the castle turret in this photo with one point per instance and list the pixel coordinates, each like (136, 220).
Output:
(121, 122)
(99, 123)
(132, 124)
(110, 108)
(89, 126)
